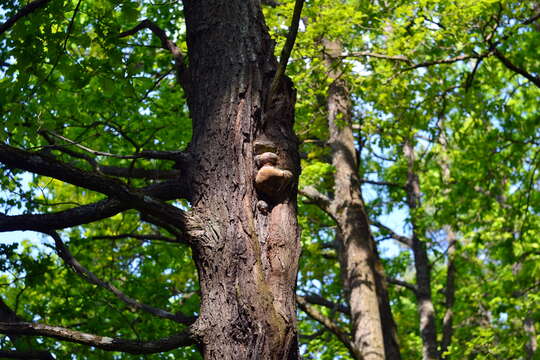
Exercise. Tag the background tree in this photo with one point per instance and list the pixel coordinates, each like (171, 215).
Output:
(434, 103)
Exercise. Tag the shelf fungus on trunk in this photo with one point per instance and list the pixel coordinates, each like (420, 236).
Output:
(271, 181)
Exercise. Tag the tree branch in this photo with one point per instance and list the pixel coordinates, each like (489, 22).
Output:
(513, 67)
(402, 239)
(167, 44)
(286, 51)
(402, 283)
(328, 324)
(382, 183)
(89, 276)
(142, 154)
(25, 11)
(401, 58)
(450, 60)
(319, 300)
(317, 198)
(47, 166)
(8, 315)
(86, 213)
(100, 342)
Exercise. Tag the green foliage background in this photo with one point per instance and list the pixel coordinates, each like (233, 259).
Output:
(65, 70)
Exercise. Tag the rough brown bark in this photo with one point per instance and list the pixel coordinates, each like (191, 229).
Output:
(248, 248)
(373, 327)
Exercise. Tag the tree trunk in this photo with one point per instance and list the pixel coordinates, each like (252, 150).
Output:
(244, 184)
(426, 310)
(373, 327)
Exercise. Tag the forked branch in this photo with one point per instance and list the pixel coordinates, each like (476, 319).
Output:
(167, 44)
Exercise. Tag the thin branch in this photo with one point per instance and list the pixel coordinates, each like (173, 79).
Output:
(89, 150)
(25, 11)
(131, 172)
(319, 300)
(89, 276)
(328, 324)
(167, 44)
(317, 198)
(402, 283)
(286, 51)
(513, 67)
(450, 60)
(100, 342)
(382, 183)
(402, 239)
(401, 58)
(533, 18)
(71, 23)
(47, 166)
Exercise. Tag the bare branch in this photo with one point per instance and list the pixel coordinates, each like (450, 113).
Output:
(401, 58)
(402, 239)
(131, 172)
(100, 342)
(382, 183)
(316, 197)
(328, 324)
(319, 300)
(286, 51)
(450, 60)
(513, 67)
(402, 283)
(167, 44)
(142, 154)
(89, 276)
(25, 11)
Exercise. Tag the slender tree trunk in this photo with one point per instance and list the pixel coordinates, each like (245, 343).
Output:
(426, 310)
(373, 327)
(450, 288)
(531, 348)
(244, 184)
(449, 293)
